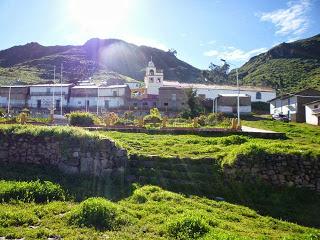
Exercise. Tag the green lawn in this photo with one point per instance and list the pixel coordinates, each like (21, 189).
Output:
(301, 133)
(150, 213)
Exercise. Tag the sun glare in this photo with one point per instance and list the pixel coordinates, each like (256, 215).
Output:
(98, 17)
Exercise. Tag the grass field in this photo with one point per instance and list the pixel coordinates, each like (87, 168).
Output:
(149, 213)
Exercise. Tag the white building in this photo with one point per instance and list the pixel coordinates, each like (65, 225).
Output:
(13, 96)
(227, 103)
(107, 97)
(134, 84)
(83, 97)
(41, 96)
(293, 104)
(212, 91)
(153, 79)
(313, 113)
(115, 96)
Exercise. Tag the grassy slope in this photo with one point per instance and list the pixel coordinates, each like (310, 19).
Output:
(148, 219)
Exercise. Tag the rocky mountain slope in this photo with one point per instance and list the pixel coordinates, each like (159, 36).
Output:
(97, 58)
(286, 67)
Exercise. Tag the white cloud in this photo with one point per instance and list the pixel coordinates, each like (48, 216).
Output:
(292, 20)
(212, 42)
(234, 54)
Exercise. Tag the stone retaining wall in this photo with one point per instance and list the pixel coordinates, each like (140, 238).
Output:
(289, 170)
(98, 158)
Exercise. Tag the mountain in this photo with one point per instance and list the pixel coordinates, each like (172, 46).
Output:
(96, 59)
(285, 67)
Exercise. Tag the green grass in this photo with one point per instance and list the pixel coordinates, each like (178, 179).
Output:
(224, 149)
(162, 215)
(300, 133)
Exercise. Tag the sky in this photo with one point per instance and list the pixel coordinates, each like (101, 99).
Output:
(201, 31)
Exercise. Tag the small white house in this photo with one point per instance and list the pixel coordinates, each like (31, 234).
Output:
(313, 113)
(42, 96)
(293, 104)
(228, 103)
(115, 96)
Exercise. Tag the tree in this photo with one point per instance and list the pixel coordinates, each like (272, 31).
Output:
(217, 74)
(172, 52)
(193, 102)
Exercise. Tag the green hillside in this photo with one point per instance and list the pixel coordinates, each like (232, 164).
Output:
(97, 59)
(287, 67)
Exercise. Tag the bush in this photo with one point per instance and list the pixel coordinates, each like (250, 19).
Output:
(82, 119)
(34, 191)
(97, 212)
(202, 119)
(111, 119)
(154, 117)
(187, 227)
(2, 112)
(128, 115)
(215, 118)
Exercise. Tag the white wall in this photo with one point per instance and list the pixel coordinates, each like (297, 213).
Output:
(3, 102)
(80, 102)
(108, 92)
(134, 85)
(310, 117)
(46, 101)
(228, 109)
(57, 90)
(213, 93)
(286, 106)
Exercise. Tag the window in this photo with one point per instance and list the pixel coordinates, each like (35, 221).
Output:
(202, 96)
(57, 103)
(79, 102)
(151, 72)
(151, 79)
(114, 93)
(38, 103)
(159, 80)
(258, 95)
(165, 104)
(316, 106)
(48, 90)
(106, 103)
(174, 97)
(154, 104)
(135, 104)
(145, 104)
(88, 103)
(182, 103)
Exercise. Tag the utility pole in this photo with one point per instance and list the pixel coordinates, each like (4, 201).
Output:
(61, 90)
(54, 79)
(9, 100)
(238, 90)
(98, 102)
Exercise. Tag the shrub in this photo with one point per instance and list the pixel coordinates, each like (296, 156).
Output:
(151, 119)
(34, 191)
(128, 115)
(154, 117)
(215, 118)
(2, 112)
(97, 212)
(111, 118)
(186, 227)
(202, 119)
(82, 119)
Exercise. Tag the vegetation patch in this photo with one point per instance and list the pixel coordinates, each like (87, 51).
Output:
(82, 119)
(187, 227)
(33, 191)
(97, 212)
